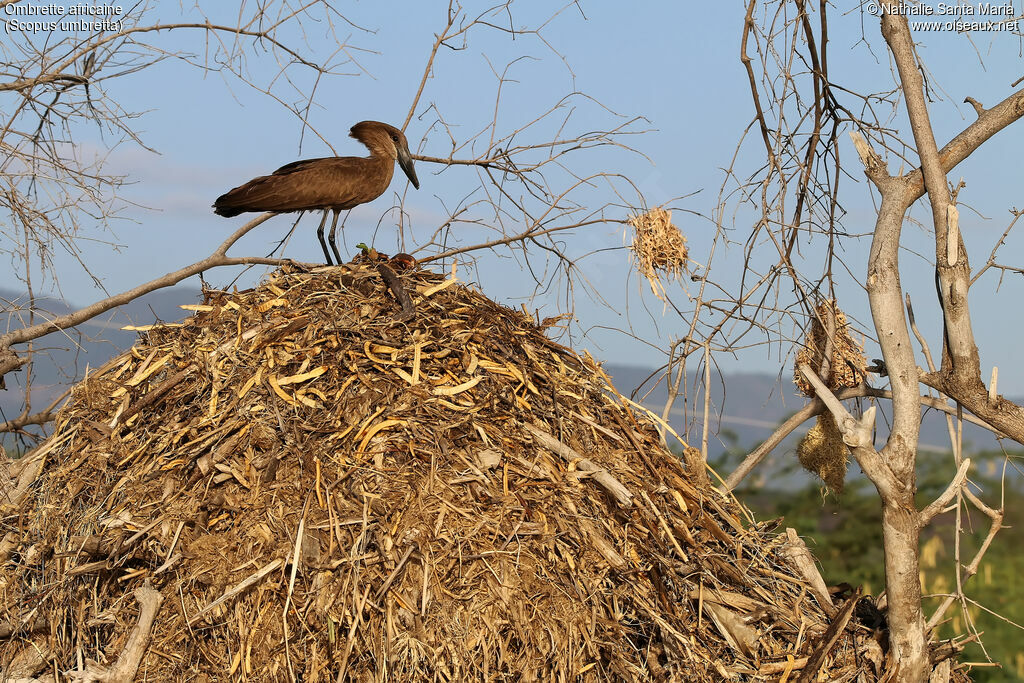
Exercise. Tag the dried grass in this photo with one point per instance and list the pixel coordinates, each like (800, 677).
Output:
(847, 364)
(321, 492)
(659, 249)
(822, 452)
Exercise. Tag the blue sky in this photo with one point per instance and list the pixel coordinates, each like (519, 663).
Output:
(676, 64)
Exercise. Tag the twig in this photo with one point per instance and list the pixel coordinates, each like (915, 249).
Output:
(939, 504)
(829, 640)
(238, 589)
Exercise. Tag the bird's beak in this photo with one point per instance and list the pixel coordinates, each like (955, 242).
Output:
(405, 161)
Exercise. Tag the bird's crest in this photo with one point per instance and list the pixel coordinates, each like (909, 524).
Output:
(379, 137)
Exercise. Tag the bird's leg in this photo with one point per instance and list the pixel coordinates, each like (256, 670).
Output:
(320, 236)
(334, 225)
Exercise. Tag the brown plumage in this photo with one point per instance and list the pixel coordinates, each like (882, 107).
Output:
(327, 184)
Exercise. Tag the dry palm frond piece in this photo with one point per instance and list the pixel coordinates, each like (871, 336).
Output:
(299, 483)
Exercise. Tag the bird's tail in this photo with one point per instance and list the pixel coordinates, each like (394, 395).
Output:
(225, 210)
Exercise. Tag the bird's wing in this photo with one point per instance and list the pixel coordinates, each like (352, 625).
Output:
(300, 165)
(272, 193)
(331, 182)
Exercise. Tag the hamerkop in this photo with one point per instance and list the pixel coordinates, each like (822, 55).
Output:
(328, 184)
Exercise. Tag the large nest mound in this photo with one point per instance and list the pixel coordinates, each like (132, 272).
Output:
(296, 484)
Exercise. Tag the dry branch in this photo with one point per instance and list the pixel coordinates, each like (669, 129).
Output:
(610, 484)
(127, 664)
(800, 557)
(218, 258)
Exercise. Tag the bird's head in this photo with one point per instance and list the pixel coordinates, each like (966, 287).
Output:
(388, 140)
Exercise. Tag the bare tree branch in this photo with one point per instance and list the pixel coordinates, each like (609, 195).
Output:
(951, 492)
(217, 258)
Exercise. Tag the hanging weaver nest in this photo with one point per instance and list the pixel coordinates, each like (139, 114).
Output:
(297, 484)
(659, 249)
(822, 452)
(847, 363)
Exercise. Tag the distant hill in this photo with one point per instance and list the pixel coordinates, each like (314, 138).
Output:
(747, 411)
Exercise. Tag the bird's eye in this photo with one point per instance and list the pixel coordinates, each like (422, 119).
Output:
(394, 137)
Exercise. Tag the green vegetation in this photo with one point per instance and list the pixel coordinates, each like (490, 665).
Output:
(844, 532)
